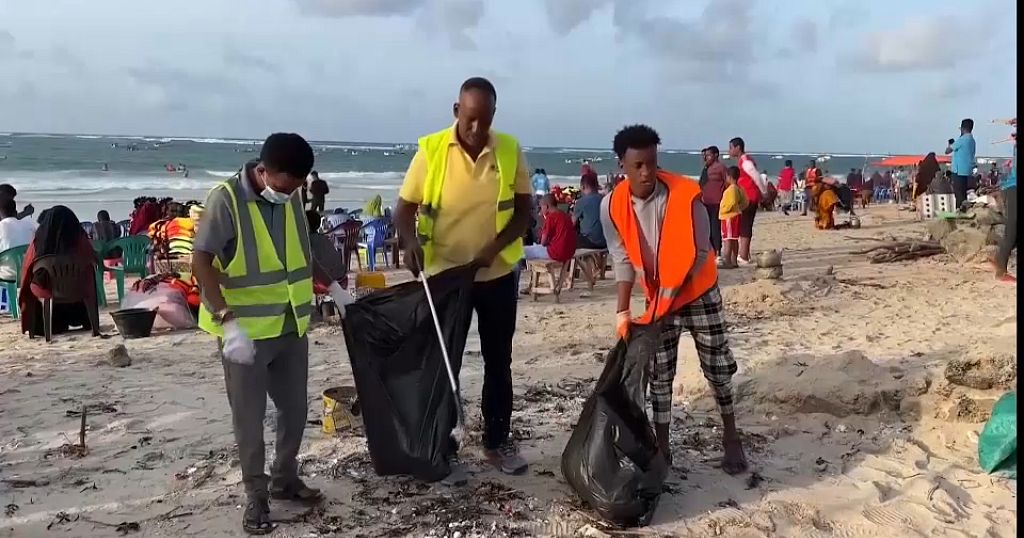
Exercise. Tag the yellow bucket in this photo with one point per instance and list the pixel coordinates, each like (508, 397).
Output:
(374, 280)
(341, 410)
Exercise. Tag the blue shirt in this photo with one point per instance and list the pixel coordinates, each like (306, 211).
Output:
(588, 214)
(541, 184)
(963, 155)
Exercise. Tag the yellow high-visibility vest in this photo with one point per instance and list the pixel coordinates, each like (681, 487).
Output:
(435, 149)
(259, 288)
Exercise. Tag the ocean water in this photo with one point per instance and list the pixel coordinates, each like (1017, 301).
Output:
(69, 169)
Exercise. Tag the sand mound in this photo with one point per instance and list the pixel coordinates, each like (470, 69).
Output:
(983, 371)
(763, 299)
(840, 385)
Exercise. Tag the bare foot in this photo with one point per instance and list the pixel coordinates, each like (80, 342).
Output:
(734, 461)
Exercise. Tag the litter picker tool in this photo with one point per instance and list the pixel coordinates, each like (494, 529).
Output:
(459, 430)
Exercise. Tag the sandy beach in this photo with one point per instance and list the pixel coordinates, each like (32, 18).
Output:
(853, 424)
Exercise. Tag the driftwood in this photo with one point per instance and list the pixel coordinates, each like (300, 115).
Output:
(898, 251)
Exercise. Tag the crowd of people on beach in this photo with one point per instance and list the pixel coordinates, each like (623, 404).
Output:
(468, 199)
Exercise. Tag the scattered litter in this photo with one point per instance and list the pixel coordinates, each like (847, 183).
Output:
(101, 407)
(729, 503)
(20, 483)
(589, 531)
(60, 519)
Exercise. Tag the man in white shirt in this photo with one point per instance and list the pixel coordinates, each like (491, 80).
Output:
(13, 233)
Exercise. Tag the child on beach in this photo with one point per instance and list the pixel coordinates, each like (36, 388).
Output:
(734, 201)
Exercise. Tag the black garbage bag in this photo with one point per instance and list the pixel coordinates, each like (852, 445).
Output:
(612, 460)
(845, 195)
(404, 393)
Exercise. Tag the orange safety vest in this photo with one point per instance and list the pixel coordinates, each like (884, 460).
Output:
(669, 289)
(811, 177)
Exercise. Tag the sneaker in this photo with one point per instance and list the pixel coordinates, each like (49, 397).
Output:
(719, 262)
(741, 261)
(457, 475)
(506, 459)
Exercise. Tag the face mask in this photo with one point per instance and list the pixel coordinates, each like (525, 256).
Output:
(275, 197)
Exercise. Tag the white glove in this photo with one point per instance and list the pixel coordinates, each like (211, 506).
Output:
(238, 347)
(342, 297)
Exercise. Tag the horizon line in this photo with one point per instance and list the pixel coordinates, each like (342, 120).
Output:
(608, 150)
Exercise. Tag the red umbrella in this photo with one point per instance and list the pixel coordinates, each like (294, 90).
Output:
(908, 160)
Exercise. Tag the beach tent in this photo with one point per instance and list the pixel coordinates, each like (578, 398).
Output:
(907, 160)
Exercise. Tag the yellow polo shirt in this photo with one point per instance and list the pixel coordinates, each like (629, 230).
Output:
(468, 208)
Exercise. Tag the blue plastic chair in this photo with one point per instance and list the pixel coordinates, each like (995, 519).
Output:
(101, 249)
(134, 252)
(14, 257)
(377, 232)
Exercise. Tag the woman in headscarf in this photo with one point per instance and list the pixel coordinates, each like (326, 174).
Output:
(926, 170)
(146, 214)
(825, 199)
(59, 234)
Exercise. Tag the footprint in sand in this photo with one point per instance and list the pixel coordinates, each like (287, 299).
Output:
(893, 516)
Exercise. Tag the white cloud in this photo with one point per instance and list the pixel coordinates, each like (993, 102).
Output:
(565, 15)
(932, 43)
(713, 49)
(458, 18)
(350, 8)
(956, 89)
(847, 15)
(805, 32)
(6, 43)
(235, 57)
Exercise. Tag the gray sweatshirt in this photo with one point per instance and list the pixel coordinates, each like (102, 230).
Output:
(650, 213)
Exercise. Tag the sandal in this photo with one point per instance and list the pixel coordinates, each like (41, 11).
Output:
(298, 492)
(256, 518)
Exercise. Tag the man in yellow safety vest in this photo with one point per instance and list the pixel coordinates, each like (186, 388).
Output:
(470, 188)
(252, 262)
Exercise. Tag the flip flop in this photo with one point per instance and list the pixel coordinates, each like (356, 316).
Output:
(256, 518)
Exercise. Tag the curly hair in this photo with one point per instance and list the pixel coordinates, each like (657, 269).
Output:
(635, 137)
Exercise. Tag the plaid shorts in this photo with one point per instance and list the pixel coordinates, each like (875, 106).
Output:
(705, 319)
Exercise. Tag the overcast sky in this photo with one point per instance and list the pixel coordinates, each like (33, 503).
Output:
(798, 75)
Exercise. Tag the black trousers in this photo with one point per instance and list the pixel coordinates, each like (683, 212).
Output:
(1009, 241)
(716, 227)
(960, 190)
(495, 304)
(583, 241)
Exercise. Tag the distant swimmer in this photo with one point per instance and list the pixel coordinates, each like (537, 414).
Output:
(186, 172)
(170, 168)
(105, 168)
